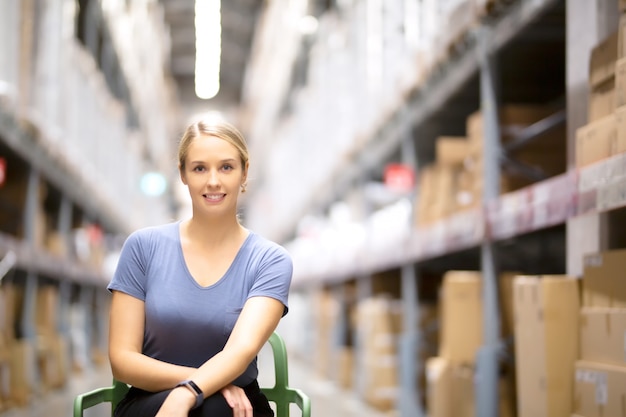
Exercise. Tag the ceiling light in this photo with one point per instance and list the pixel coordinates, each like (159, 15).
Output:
(208, 48)
(308, 25)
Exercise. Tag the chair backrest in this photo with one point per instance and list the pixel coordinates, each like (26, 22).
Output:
(280, 394)
(118, 391)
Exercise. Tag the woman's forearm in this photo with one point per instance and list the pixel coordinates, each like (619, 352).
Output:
(147, 373)
(221, 370)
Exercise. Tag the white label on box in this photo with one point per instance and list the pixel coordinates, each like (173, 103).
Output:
(602, 390)
(584, 375)
(594, 260)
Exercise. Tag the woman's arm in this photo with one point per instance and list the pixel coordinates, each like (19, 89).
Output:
(128, 364)
(258, 319)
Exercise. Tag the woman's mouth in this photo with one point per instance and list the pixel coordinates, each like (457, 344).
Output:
(214, 197)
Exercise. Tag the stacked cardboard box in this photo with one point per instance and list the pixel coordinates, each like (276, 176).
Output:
(51, 346)
(545, 153)
(26, 365)
(441, 184)
(600, 372)
(325, 311)
(620, 87)
(546, 333)
(605, 133)
(450, 375)
(455, 181)
(21, 371)
(379, 322)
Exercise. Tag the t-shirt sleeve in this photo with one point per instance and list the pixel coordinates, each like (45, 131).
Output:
(274, 277)
(130, 274)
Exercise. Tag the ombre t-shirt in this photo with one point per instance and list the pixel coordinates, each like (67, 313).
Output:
(187, 324)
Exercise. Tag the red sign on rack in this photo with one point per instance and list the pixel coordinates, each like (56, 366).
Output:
(399, 177)
(3, 171)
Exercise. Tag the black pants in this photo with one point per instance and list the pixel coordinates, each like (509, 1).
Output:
(140, 403)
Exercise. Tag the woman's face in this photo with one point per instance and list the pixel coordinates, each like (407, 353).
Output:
(213, 174)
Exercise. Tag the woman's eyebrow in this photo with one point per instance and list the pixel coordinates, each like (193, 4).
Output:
(221, 161)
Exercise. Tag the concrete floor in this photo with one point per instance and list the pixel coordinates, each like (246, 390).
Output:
(328, 400)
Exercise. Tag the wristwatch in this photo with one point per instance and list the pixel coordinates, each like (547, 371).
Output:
(194, 389)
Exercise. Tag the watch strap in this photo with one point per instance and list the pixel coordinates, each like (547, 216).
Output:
(194, 388)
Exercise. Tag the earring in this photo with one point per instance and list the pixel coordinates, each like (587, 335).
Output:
(243, 187)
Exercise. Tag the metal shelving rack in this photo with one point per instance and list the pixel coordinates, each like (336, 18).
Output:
(573, 202)
(80, 91)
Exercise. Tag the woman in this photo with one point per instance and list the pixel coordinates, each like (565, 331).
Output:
(194, 301)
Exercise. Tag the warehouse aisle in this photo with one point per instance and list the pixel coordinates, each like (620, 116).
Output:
(327, 398)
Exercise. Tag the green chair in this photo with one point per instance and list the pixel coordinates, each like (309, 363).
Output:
(280, 394)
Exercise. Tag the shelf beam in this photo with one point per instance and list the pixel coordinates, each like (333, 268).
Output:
(41, 262)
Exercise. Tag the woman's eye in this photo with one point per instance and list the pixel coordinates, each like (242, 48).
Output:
(199, 169)
(227, 167)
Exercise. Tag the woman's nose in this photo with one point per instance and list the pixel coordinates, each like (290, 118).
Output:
(212, 178)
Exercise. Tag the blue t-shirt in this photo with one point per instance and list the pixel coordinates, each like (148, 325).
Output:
(187, 324)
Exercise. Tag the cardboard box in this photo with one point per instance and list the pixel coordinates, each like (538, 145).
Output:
(602, 100)
(511, 117)
(52, 354)
(546, 344)
(603, 58)
(603, 279)
(546, 152)
(599, 389)
(451, 390)
(603, 335)
(46, 314)
(451, 150)
(377, 327)
(381, 382)
(621, 41)
(438, 387)
(595, 140)
(461, 316)
(620, 125)
(325, 311)
(346, 367)
(620, 83)
(438, 192)
(507, 317)
(22, 372)
(463, 397)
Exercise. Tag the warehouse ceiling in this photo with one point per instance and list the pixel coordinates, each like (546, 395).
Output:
(238, 20)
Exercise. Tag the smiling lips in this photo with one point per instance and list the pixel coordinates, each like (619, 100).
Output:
(214, 197)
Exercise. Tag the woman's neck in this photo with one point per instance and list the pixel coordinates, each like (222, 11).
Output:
(214, 232)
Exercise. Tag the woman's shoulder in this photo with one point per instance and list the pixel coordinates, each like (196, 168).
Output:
(154, 233)
(266, 246)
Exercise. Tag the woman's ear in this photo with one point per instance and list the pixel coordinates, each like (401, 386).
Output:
(244, 176)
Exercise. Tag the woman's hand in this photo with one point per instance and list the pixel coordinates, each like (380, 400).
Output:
(178, 403)
(238, 401)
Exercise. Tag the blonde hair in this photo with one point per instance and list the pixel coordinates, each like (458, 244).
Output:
(219, 129)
